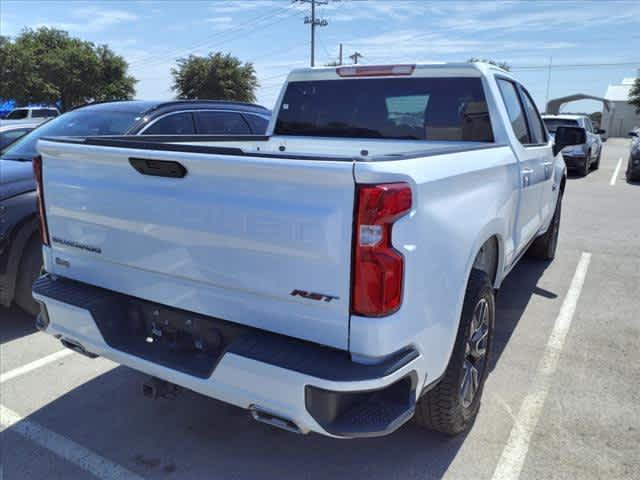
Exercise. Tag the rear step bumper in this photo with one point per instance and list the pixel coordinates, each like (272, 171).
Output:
(296, 385)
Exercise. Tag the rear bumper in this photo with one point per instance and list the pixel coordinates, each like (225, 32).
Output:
(574, 161)
(313, 387)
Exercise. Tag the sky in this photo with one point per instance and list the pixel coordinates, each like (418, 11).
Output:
(590, 44)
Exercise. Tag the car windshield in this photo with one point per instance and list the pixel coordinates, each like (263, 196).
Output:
(553, 123)
(18, 114)
(78, 123)
(447, 109)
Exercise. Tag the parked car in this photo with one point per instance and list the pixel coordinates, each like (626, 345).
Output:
(20, 249)
(633, 165)
(579, 157)
(30, 114)
(12, 132)
(336, 275)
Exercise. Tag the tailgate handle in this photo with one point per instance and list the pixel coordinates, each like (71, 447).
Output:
(158, 168)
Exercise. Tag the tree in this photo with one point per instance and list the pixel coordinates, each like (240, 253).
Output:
(634, 95)
(215, 77)
(502, 65)
(596, 117)
(47, 65)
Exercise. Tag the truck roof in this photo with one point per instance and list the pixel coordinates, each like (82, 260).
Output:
(475, 69)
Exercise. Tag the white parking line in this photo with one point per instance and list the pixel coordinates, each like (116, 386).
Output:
(16, 372)
(614, 177)
(64, 447)
(515, 451)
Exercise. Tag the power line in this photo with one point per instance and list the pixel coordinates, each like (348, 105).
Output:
(217, 35)
(223, 36)
(575, 65)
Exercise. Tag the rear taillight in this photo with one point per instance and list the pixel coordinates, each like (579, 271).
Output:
(378, 268)
(37, 172)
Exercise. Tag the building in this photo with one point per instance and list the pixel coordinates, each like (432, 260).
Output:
(621, 117)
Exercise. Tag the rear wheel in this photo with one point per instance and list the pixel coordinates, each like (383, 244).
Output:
(597, 164)
(29, 270)
(584, 169)
(544, 247)
(452, 405)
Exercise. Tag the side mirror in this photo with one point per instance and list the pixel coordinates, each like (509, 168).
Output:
(566, 136)
(600, 131)
(633, 133)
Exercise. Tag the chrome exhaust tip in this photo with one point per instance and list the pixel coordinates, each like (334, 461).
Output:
(275, 420)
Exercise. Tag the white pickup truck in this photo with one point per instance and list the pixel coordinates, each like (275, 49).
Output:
(336, 275)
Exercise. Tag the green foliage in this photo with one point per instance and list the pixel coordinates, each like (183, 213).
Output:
(502, 65)
(215, 77)
(596, 117)
(634, 95)
(47, 65)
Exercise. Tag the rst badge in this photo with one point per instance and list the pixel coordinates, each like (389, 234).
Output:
(313, 295)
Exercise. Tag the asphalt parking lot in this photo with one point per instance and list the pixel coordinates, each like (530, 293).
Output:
(562, 399)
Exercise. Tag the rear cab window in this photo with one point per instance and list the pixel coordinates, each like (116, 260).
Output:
(553, 123)
(417, 108)
(536, 128)
(514, 110)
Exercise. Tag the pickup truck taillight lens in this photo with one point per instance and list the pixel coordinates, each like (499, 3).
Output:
(378, 268)
(37, 172)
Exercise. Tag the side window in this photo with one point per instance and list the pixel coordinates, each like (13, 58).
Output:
(41, 113)
(589, 125)
(514, 110)
(535, 122)
(176, 124)
(18, 114)
(220, 123)
(258, 124)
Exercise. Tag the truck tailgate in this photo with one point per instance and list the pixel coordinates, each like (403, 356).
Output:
(260, 241)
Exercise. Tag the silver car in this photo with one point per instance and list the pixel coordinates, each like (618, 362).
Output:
(578, 157)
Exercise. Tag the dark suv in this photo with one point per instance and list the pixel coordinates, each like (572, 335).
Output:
(20, 248)
(633, 165)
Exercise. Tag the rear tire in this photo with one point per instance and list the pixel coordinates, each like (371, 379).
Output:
(29, 271)
(452, 405)
(596, 165)
(584, 170)
(544, 247)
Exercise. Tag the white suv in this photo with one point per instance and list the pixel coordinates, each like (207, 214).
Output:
(31, 114)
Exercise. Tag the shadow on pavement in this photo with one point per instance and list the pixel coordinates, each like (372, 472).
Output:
(194, 437)
(14, 323)
(513, 298)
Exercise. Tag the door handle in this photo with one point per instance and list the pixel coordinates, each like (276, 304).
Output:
(547, 169)
(526, 180)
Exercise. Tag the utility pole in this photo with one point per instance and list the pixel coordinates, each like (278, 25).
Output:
(548, 81)
(314, 22)
(340, 56)
(355, 57)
